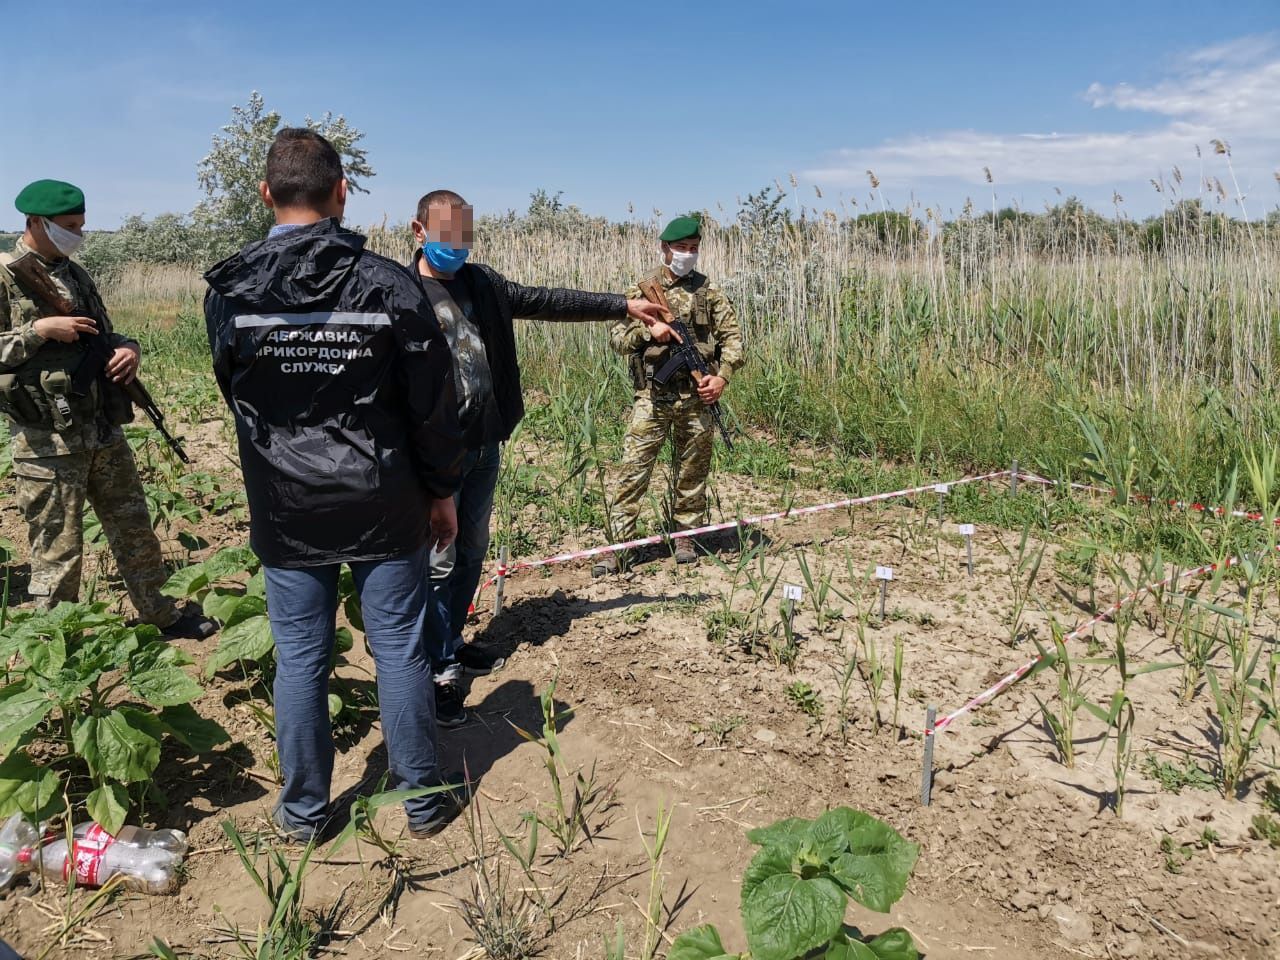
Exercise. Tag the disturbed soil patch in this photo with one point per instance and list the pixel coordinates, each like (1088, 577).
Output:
(676, 700)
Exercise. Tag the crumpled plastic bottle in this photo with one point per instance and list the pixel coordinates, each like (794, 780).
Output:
(147, 859)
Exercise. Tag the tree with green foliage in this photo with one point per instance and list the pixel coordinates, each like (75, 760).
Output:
(233, 211)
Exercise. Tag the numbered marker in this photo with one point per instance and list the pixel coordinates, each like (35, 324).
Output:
(966, 531)
(941, 489)
(792, 591)
(884, 575)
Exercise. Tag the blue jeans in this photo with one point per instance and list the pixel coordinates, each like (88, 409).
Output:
(455, 571)
(302, 604)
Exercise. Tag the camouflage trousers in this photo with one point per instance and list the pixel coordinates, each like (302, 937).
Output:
(52, 492)
(689, 424)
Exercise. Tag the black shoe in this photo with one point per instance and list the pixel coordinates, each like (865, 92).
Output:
(290, 833)
(478, 662)
(191, 625)
(449, 808)
(449, 698)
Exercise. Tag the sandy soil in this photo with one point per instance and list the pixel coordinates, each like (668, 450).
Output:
(1020, 856)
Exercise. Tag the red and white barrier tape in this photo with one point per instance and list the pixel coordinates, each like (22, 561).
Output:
(1006, 682)
(1144, 498)
(729, 525)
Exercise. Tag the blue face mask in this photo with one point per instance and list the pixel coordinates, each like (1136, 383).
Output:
(444, 258)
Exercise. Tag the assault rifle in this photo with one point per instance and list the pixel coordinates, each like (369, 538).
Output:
(34, 281)
(684, 355)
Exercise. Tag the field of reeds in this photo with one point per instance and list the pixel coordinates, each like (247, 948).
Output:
(881, 355)
(969, 344)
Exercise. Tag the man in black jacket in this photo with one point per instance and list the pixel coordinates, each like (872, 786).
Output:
(475, 305)
(341, 384)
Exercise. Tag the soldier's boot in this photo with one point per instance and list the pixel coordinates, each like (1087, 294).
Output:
(686, 550)
(607, 565)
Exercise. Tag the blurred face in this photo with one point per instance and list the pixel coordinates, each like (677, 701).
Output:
(453, 226)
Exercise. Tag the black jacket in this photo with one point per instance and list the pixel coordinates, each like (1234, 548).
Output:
(341, 383)
(497, 300)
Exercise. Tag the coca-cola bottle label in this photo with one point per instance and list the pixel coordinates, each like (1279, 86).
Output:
(87, 854)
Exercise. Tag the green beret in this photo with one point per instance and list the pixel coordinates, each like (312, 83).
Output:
(681, 228)
(49, 198)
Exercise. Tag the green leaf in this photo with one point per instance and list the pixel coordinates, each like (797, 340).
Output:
(26, 787)
(220, 603)
(878, 865)
(125, 753)
(895, 944)
(199, 734)
(845, 949)
(700, 943)
(785, 917)
(165, 686)
(21, 709)
(769, 862)
(335, 706)
(793, 828)
(246, 636)
(343, 641)
(84, 738)
(45, 654)
(350, 599)
(186, 582)
(108, 805)
(230, 561)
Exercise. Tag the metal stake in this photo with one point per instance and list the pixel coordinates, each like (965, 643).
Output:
(926, 776)
(503, 555)
(968, 549)
(1013, 479)
(884, 593)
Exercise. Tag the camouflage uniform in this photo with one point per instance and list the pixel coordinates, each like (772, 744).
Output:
(56, 471)
(675, 408)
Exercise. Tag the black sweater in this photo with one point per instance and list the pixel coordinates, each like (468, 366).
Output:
(496, 301)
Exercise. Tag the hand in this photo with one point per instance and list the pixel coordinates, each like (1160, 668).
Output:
(710, 388)
(647, 313)
(64, 329)
(444, 523)
(123, 365)
(663, 333)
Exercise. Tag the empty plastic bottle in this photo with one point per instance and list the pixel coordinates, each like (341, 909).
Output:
(147, 859)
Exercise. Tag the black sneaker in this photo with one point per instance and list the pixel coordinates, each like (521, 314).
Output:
(449, 711)
(449, 808)
(191, 625)
(478, 662)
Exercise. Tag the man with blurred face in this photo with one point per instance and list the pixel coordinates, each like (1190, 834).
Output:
(476, 305)
(68, 448)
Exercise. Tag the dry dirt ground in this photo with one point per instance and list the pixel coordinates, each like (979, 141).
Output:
(1020, 856)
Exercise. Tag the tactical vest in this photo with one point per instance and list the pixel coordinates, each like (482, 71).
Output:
(37, 393)
(651, 357)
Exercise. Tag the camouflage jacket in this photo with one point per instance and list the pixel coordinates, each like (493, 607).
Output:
(19, 342)
(705, 310)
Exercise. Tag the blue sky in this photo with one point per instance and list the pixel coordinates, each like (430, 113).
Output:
(671, 105)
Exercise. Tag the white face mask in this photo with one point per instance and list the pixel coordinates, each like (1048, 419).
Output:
(66, 241)
(682, 263)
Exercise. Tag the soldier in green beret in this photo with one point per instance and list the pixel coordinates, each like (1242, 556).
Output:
(69, 448)
(677, 409)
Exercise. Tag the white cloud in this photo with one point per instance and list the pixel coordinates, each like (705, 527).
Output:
(1230, 91)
